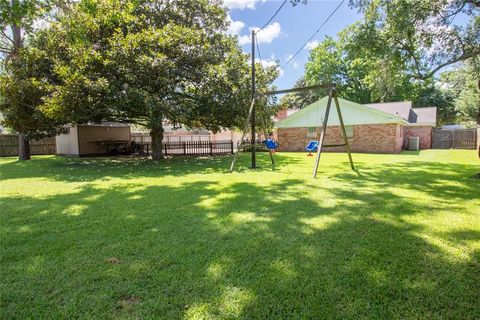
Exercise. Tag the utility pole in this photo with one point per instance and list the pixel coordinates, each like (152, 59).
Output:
(254, 158)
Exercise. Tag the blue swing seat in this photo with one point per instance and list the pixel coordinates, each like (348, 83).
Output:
(312, 146)
(270, 144)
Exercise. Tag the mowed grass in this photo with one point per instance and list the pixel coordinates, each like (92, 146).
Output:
(182, 238)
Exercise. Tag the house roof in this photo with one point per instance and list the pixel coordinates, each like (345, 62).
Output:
(401, 109)
(404, 110)
(352, 113)
(425, 115)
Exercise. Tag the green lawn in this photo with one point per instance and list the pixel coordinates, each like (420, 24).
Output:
(132, 238)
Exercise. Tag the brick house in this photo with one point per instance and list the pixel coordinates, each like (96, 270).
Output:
(376, 128)
(421, 121)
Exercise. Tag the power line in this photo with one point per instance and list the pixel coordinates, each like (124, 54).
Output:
(313, 35)
(274, 15)
(258, 50)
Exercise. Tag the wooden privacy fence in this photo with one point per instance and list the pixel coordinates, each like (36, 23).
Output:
(193, 148)
(9, 145)
(454, 139)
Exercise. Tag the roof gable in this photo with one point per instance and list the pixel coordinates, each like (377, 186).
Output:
(404, 110)
(425, 115)
(352, 113)
(401, 109)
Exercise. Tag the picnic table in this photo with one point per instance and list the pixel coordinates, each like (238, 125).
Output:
(113, 146)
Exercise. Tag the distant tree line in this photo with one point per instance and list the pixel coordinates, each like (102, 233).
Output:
(403, 50)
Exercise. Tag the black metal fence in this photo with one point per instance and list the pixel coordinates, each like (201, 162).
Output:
(192, 148)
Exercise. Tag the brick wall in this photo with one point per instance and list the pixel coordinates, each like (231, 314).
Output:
(424, 133)
(378, 138)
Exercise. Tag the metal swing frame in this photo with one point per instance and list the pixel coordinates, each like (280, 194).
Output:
(332, 95)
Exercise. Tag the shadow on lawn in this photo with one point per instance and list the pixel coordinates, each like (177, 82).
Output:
(238, 252)
(91, 169)
(447, 181)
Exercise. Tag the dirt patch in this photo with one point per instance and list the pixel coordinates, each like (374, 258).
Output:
(127, 302)
(114, 260)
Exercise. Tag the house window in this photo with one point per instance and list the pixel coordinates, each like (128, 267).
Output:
(348, 131)
(311, 132)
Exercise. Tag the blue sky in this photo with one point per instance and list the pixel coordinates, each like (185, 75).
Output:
(289, 30)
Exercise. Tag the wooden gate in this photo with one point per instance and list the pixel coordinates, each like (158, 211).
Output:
(9, 145)
(454, 139)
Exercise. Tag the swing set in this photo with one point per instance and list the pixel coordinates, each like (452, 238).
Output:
(271, 144)
(314, 145)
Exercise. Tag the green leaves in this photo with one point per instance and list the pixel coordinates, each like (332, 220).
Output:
(423, 32)
(144, 62)
(396, 51)
(464, 85)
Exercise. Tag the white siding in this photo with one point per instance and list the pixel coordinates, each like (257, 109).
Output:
(68, 143)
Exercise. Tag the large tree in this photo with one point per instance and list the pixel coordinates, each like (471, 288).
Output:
(422, 32)
(20, 97)
(362, 74)
(463, 83)
(146, 61)
(22, 92)
(389, 56)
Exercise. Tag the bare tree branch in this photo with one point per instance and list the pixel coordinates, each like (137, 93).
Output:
(464, 56)
(5, 50)
(6, 36)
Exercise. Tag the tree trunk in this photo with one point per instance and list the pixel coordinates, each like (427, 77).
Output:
(156, 133)
(23, 148)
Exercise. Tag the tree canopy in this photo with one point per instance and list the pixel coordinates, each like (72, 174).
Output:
(421, 32)
(397, 51)
(142, 62)
(463, 84)
(22, 92)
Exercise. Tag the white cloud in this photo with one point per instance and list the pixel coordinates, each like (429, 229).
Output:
(235, 27)
(241, 4)
(269, 63)
(267, 35)
(288, 57)
(312, 44)
(243, 40)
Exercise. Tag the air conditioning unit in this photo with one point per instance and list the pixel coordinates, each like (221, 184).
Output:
(413, 143)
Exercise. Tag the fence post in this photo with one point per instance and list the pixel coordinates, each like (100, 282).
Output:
(231, 146)
(184, 148)
(453, 139)
(210, 145)
(165, 146)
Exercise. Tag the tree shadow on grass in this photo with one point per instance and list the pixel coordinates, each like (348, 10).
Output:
(91, 169)
(447, 181)
(240, 251)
